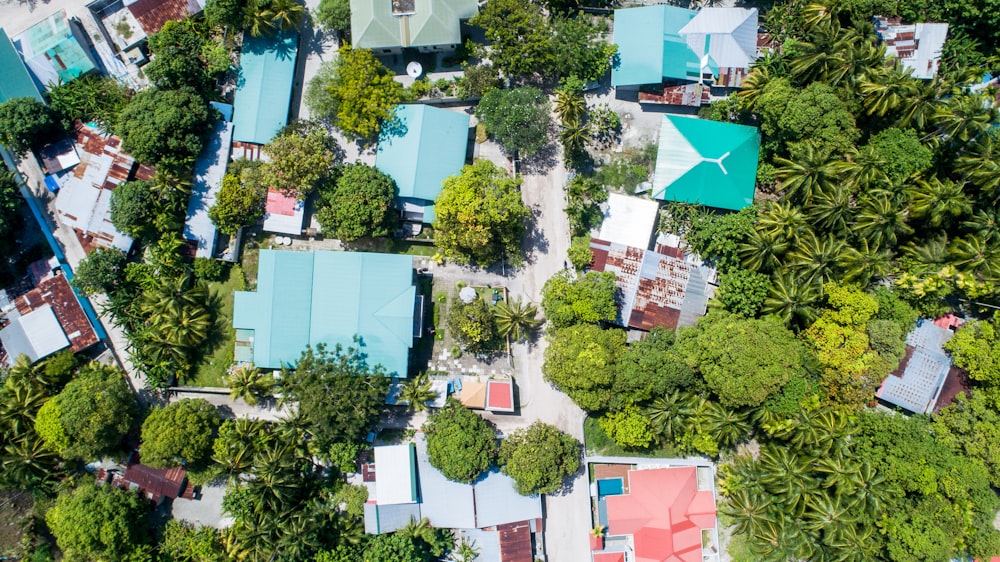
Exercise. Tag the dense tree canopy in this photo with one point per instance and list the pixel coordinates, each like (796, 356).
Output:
(164, 125)
(580, 360)
(90, 98)
(460, 443)
(131, 212)
(518, 118)
(358, 204)
(27, 123)
(339, 395)
(473, 325)
(568, 299)
(92, 413)
(480, 216)
(335, 15)
(355, 93)
(177, 60)
(539, 458)
(180, 433)
(301, 157)
(743, 361)
(106, 523)
(240, 202)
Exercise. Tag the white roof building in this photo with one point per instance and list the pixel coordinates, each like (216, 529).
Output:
(629, 221)
(395, 477)
(208, 173)
(284, 214)
(917, 46)
(37, 334)
(723, 37)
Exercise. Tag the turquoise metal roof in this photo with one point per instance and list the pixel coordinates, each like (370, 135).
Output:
(307, 298)
(706, 162)
(15, 82)
(264, 87)
(650, 47)
(425, 146)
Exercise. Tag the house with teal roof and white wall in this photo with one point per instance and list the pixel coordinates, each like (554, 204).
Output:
(322, 297)
(264, 86)
(55, 50)
(389, 26)
(704, 162)
(15, 82)
(422, 147)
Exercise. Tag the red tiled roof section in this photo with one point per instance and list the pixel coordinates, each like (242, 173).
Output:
(515, 542)
(156, 483)
(153, 14)
(664, 512)
(501, 395)
(609, 557)
(56, 292)
(280, 204)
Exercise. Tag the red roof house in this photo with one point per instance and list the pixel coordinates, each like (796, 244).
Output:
(500, 396)
(665, 513)
(609, 557)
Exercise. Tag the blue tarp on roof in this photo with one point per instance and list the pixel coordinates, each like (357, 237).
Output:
(264, 87)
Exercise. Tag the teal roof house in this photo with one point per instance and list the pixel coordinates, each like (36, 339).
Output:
(53, 51)
(667, 42)
(308, 298)
(705, 162)
(424, 146)
(388, 26)
(264, 87)
(15, 82)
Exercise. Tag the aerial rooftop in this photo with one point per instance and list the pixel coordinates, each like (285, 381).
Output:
(385, 24)
(264, 89)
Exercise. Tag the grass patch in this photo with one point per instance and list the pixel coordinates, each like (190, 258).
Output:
(218, 353)
(597, 442)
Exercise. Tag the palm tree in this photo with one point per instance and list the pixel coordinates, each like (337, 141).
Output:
(466, 551)
(810, 173)
(793, 299)
(881, 219)
(750, 510)
(938, 202)
(975, 254)
(728, 427)
(28, 463)
(569, 106)
(985, 224)
(762, 252)
(669, 415)
(817, 258)
(831, 210)
(247, 382)
(884, 90)
(917, 109)
(416, 393)
(980, 163)
(964, 117)
(783, 221)
(841, 472)
(267, 17)
(573, 137)
(788, 476)
(421, 530)
(863, 262)
(516, 319)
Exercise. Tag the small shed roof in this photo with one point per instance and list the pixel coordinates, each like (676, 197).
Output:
(15, 82)
(473, 394)
(383, 24)
(208, 172)
(424, 146)
(395, 474)
(53, 52)
(500, 396)
(264, 87)
(283, 213)
(36, 334)
(629, 220)
(706, 162)
(916, 383)
(389, 518)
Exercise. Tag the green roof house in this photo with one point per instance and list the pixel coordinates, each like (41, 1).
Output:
(667, 42)
(308, 298)
(705, 162)
(388, 26)
(15, 82)
(264, 87)
(53, 50)
(424, 146)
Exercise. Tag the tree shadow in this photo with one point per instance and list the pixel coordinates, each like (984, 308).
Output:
(542, 161)
(534, 243)
(568, 482)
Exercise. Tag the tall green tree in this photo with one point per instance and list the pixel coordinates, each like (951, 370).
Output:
(473, 325)
(518, 119)
(26, 123)
(164, 125)
(302, 156)
(568, 299)
(460, 443)
(180, 433)
(358, 204)
(480, 216)
(335, 15)
(91, 523)
(240, 202)
(539, 458)
(580, 360)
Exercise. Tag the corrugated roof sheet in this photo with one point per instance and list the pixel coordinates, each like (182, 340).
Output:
(497, 501)
(312, 297)
(432, 22)
(153, 14)
(918, 380)
(52, 52)
(706, 162)
(395, 474)
(446, 504)
(264, 87)
(15, 82)
(54, 291)
(425, 146)
(36, 334)
(515, 542)
(726, 36)
(917, 46)
(209, 170)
